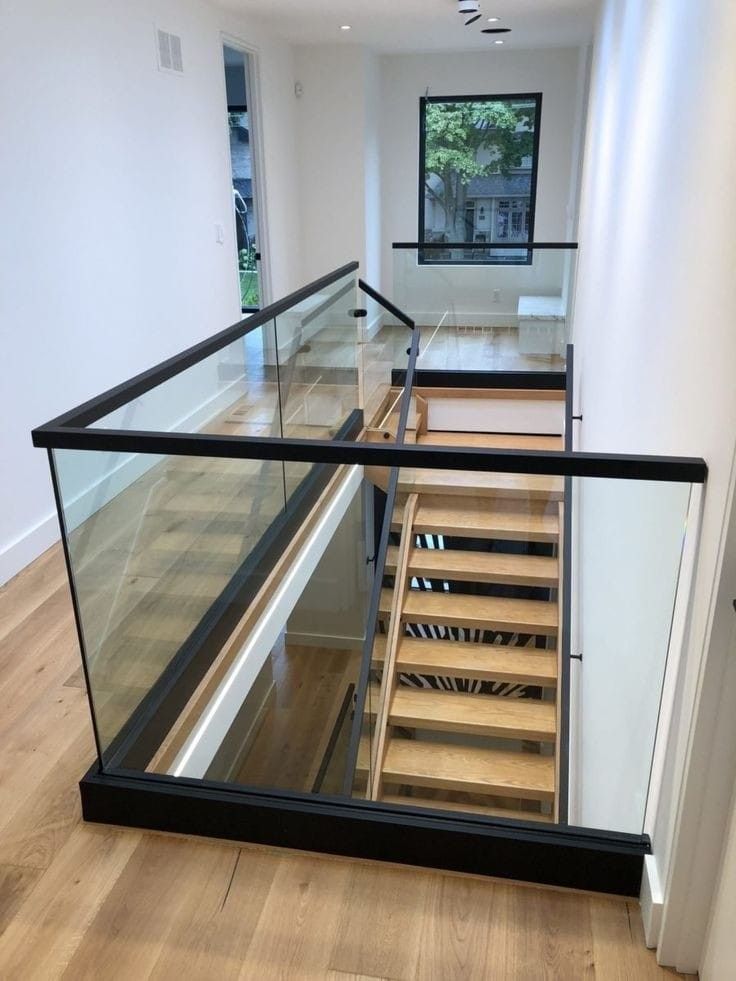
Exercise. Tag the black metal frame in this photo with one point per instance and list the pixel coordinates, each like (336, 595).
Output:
(566, 605)
(576, 858)
(548, 381)
(685, 469)
(379, 566)
(513, 97)
(557, 855)
(443, 246)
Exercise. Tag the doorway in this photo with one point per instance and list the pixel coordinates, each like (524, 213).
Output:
(244, 177)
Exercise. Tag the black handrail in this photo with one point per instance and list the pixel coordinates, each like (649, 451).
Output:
(443, 246)
(114, 398)
(685, 469)
(379, 570)
(387, 304)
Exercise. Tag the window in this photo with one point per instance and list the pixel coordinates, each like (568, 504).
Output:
(478, 175)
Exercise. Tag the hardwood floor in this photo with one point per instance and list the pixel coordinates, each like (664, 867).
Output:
(82, 901)
(480, 348)
(303, 709)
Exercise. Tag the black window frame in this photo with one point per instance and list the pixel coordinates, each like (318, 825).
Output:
(427, 257)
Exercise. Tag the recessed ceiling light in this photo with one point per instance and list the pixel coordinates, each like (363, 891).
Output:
(493, 20)
(498, 42)
(346, 27)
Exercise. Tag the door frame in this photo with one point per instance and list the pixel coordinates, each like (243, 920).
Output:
(253, 90)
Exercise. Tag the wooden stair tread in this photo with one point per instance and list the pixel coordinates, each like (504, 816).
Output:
(467, 768)
(470, 808)
(493, 441)
(465, 518)
(477, 483)
(472, 566)
(479, 612)
(479, 662)
(504, 394)
(489, 715)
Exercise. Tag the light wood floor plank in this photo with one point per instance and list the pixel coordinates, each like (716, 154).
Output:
(300, 923)
(381, 922)
(42, 938)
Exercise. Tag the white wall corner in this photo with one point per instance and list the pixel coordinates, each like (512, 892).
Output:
(373, 327)
(651, 899)
(23, 550)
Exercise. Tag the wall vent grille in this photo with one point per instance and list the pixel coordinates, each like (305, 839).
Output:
(169, 52)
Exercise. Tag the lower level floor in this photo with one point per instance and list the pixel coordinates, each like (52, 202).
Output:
(83, 901)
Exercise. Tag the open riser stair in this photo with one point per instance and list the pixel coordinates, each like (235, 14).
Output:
(463, 709)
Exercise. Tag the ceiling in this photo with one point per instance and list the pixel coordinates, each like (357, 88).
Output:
(425, 25)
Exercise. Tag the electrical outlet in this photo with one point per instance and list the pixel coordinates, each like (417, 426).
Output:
(497, 296)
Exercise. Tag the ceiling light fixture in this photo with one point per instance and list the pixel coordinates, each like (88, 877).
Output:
(346, 27)
(493, 20)
(469, 9)
(498, 42)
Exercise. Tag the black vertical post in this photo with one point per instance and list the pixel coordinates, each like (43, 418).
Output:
(566, 605)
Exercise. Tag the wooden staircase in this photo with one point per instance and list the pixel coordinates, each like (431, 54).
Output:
(464, 705)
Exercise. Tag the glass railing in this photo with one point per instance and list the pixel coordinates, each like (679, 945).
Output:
(168, 551)
(477, 702)
(383, 625)
(486, 307)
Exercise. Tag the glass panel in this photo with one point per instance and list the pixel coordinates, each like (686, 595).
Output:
(318, 362)
(277, 707)
(385, 344)
(233, 392)
(164, 553)
(630, 536)
(293, 725)
(512, 317)
(224, 612)
(470, 715)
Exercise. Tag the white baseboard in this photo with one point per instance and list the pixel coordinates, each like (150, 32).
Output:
(651, 898)
(16, 555)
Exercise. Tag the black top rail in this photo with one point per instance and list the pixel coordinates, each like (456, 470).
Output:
(121, 394)
(387, 304)
(546, 462)
(479, 246)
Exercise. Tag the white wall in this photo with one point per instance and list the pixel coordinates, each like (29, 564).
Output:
(112, 180)
(719, 959)
(358, 132)
(339, 160)
(630, 543)
(656, 355)
(406, 78)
